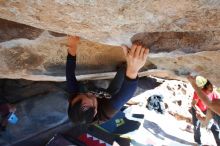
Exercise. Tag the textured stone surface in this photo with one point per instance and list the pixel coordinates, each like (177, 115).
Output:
(185, 42)
(114, 21)
(41, 106)
(39, 54)
(34, 54)
(19, 90)
(204, 63)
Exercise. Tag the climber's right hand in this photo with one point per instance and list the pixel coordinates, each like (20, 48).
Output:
(136, 57)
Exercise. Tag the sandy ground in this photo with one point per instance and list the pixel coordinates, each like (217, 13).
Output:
(157, 129)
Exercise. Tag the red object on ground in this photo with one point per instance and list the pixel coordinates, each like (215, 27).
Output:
(91, 141)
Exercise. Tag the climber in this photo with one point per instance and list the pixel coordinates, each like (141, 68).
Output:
(199, 109)
(85, 107)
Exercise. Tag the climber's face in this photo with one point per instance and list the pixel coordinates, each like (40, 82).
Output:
(87, 101)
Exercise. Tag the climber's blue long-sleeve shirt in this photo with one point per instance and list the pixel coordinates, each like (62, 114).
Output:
(106, 107)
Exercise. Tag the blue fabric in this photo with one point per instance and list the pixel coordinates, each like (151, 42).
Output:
(196, 129)
(72, 84)
(124, 126)
(117, 82)
(110, 125)
(217, 119)
(13, 119)
(122, 87)
(125, 93)
(214, 128)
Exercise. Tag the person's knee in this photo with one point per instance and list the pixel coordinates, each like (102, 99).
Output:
(12, 108)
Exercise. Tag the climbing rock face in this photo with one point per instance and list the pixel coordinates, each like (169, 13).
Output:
(115, 21)
(35, 54)
(183, 36)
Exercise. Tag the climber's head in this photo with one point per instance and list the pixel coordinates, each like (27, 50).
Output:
(204, 83)
(82, 108)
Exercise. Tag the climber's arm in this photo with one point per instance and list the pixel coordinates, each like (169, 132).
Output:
(72, 83)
